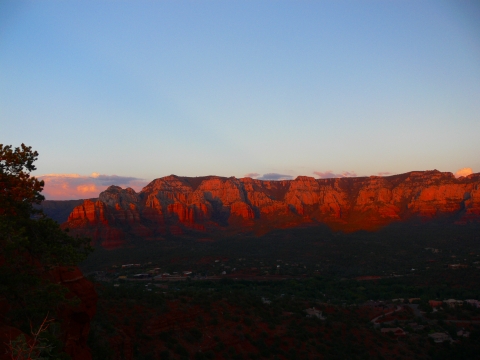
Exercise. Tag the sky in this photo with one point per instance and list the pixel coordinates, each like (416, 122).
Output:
(123, 92)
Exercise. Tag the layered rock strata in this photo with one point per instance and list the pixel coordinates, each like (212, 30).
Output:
(173, 205)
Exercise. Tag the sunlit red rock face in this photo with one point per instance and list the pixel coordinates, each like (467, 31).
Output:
(173, 205)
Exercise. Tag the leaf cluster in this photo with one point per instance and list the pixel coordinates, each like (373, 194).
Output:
(18, 190)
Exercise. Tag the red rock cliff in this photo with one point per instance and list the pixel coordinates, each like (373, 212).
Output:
(173, 204)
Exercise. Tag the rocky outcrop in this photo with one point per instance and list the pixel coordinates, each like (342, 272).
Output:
(58, 210)
(173, 204)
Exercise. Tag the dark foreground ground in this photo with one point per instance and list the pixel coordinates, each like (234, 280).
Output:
(246, 297)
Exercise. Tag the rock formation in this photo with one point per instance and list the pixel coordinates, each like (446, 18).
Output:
(174, 205)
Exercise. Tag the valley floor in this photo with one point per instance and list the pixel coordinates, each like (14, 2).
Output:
(299, 294)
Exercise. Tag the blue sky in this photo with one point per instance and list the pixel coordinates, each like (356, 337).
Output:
(144, 89)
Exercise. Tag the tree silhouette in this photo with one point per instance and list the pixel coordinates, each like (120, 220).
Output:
(31, 245)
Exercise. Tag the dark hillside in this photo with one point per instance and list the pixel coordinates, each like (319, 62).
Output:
(59, 210)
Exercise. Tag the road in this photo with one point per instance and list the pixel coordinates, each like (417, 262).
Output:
(374, 321)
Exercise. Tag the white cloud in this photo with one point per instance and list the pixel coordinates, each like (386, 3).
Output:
(464, 172)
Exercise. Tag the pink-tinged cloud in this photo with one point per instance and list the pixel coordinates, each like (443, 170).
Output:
(74, 186)
(252, 175)
(463, 172)
(330, 174)
(384, 173)
(90, 188)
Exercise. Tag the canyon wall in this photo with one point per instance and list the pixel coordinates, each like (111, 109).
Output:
(173, 205)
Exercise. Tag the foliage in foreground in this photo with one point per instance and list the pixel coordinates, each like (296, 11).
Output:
(31, 245)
